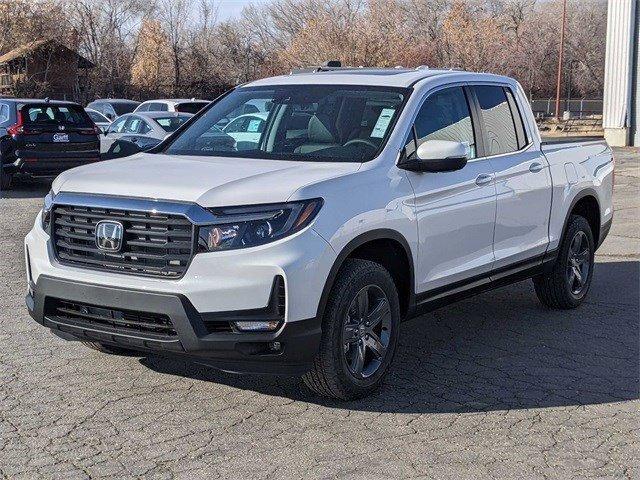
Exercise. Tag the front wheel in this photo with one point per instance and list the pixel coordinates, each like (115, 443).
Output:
(359, 332)
(566, 286)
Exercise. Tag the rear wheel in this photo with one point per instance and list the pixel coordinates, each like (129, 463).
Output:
(359, 333)
(111, 350)
(566, 286)
(5, 180)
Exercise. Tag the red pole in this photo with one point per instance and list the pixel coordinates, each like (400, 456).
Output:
(560, 58)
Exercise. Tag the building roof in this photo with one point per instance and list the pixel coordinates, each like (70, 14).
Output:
(389, 77)
(33, 47)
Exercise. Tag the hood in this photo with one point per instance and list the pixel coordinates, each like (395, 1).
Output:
(208, 181)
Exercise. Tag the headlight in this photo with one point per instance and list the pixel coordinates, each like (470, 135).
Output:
(242, 227)
(46, 211)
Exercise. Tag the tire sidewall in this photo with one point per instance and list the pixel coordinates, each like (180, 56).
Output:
(336, 316)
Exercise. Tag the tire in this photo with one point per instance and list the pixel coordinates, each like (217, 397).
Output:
(109, 349)
(558, 289)
(346, 332)
(5, 181)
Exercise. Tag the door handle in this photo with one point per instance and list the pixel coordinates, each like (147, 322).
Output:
(535, 167)
(483, 179)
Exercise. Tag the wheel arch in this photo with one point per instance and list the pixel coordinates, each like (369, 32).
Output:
(373, 245)
(586, 204)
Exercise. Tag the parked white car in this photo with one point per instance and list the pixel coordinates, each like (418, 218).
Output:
(144, 129)
(371, 196)
(182, 105)
(246, 128)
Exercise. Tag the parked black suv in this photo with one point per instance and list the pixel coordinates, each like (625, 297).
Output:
(42, 138)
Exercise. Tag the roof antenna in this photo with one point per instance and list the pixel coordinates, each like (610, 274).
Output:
(332, 64)
(46, 100)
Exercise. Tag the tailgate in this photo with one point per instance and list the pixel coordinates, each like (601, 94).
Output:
(52, 132)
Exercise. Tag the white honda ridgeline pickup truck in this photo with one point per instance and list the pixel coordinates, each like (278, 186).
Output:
(298, 240)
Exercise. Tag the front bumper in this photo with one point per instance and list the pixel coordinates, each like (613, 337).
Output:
(297, 342)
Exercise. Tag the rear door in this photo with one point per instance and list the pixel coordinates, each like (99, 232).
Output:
(523, 181)
(53, 133)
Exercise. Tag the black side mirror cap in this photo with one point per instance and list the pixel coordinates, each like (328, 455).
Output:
(436, 165)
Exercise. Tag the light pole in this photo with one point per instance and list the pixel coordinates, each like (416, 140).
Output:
(560, 57)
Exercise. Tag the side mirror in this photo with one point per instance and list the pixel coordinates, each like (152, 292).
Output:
(438, 156)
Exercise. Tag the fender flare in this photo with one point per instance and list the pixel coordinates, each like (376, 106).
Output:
(349, 248)
(587, 192)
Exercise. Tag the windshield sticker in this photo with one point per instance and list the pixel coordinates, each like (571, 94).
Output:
(254, 125)
(383, 123)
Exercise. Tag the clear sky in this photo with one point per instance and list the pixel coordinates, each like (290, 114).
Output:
(228, 9)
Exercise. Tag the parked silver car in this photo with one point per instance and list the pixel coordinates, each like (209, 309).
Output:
(99, 119)
(145, 129)
(112, 108)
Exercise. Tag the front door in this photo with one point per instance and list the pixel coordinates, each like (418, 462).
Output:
(456, 210)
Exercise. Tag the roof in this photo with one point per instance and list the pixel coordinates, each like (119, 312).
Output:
(177, 100)
(116, 100)
(161, 114)
(32, 47)
(390, 77)
(37, 100)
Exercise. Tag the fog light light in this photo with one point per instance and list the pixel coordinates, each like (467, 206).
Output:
(257, 326)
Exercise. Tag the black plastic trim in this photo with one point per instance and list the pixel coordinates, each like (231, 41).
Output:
(441, 296)
(379, 234)
(248, 352)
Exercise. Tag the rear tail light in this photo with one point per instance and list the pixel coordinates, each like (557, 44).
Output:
(18, 128)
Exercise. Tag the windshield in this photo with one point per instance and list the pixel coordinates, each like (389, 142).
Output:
(295, 122)
(171, 124)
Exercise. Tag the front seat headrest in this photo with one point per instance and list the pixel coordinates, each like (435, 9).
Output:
(319, 129)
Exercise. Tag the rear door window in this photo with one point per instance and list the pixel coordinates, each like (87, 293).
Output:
(55, 116)
(498, 123)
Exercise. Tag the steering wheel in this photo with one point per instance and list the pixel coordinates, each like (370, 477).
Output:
(369, 143)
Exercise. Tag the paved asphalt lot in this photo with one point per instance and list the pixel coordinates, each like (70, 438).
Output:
(493, 387)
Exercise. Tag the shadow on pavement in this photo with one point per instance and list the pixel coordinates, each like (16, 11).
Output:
(500, 350)
(28, 188)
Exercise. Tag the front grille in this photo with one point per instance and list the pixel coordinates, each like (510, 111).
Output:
(154, 244)
(117, 320)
